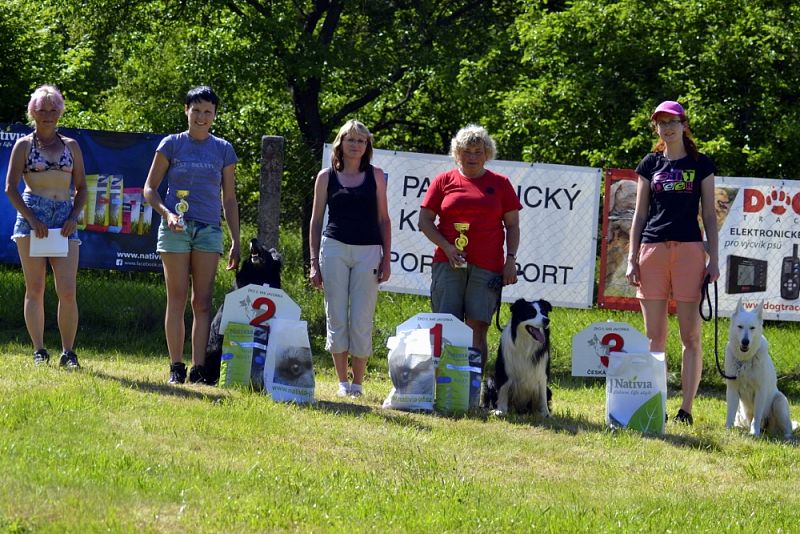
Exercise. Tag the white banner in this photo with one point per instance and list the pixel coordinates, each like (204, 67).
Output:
(759, 232)
(558, 226)
(758, 245)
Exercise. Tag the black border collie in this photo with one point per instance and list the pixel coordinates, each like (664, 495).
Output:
(522, 370)
(261, 267)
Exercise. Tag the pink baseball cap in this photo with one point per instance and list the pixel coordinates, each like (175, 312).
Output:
(671, 107)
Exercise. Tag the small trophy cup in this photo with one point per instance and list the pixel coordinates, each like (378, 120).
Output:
(461, 241)
(182, 206)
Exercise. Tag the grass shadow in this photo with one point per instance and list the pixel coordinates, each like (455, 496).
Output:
(159, 388)
(402, 419)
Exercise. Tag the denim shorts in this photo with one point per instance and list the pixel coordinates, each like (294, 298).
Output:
(51, 212)
(466, 293)
(195, 236)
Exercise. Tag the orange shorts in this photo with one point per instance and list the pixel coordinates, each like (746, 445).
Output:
(672, 269)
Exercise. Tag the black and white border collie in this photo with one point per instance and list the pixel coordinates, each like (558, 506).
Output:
(522, 370)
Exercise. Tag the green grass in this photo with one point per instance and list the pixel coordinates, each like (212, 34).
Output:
(113, 448)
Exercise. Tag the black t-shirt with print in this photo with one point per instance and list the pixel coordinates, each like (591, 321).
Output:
(674, 196)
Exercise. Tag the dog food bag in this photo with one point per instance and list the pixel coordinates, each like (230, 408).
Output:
(636, 391)
(260, 342)
(289, 368)
(454, 391)
(237, 355)
(475, 377)
(411, 370)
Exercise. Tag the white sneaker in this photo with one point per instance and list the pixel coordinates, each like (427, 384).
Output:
(356, 390)
(344, 389)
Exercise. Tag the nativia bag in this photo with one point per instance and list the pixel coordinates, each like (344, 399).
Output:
(289, 367)
(243, 354)
(411, 370)
(238, 348)
(458, 380)
(636, 391)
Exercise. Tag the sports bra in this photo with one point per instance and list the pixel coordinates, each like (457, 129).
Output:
(38, 163)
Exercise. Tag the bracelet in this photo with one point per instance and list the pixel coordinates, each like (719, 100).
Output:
(512, 255)
(314, 259)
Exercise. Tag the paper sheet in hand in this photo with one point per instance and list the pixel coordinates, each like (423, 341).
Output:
(53, 246)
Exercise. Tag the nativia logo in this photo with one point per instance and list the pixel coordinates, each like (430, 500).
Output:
(630, 383)
(776, 201)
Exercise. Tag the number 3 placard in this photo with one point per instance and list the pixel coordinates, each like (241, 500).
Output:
(256, 305)
(591, 346)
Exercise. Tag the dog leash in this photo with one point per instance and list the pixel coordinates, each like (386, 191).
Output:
(707, 297)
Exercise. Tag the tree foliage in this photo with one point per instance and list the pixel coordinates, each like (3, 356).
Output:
(558, 82)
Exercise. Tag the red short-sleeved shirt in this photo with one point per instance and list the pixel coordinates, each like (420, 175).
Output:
(481, 202)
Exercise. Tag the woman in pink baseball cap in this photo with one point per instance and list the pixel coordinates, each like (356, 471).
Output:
(667, 256)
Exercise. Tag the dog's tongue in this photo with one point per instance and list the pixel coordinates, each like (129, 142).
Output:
(536, 333)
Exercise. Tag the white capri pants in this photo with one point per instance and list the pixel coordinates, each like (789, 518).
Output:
(350, 283)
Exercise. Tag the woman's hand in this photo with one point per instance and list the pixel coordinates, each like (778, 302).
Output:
(712, 270)
(384, 269)
(234, 256)
(69, 226)
(315, 275)
(174, 222)
(632, 273)
(457, 258)
(510, 271)
(38, 228)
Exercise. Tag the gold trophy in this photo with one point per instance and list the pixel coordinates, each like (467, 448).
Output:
(461, 241)
(182, 206)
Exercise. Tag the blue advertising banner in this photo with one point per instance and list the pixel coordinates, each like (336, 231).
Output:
(118, 230)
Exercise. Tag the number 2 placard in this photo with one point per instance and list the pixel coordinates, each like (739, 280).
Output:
(256, 305)
(591, 346)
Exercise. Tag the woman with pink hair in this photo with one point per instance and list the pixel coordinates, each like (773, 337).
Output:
(51, 166)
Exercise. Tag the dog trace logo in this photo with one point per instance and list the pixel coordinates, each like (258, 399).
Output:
(777, 202)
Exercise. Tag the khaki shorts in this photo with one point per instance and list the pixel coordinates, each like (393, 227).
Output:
(671, 269)
(463, 292)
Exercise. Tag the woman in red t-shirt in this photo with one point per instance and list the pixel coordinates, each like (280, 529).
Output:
(478, 212)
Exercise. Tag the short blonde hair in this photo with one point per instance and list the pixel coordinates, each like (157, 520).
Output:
(45, 93)
(351, 127)
(469, 135)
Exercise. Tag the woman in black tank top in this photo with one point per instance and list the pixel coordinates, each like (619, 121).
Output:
(352, 255)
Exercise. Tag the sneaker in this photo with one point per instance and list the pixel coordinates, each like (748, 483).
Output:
(69, 360)
(177, 373)
(684, 417)
(40, 357)
(344, 389)
(197, 375)
(356, 390)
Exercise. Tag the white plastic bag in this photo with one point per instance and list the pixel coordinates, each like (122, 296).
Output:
(289, 368)
(411, 370)
(636, 391)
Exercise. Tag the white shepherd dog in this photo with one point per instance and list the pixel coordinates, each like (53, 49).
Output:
(754, 402)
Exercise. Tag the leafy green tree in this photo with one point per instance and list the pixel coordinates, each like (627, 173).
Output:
(592, 72)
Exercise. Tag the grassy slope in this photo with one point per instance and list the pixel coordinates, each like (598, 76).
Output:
(113, 447)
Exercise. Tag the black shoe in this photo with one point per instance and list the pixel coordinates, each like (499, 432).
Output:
(197, 375)
(177, 373)
(69, 360)
(41, 357)
(684, 417)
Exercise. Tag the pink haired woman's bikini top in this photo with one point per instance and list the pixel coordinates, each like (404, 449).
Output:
(37, 162)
